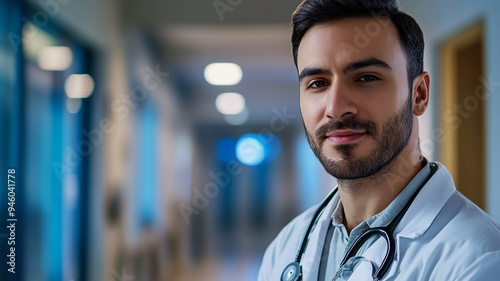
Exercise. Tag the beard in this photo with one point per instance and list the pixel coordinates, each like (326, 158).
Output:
(390, 140)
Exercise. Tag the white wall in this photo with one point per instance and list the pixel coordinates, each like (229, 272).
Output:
(442, 19)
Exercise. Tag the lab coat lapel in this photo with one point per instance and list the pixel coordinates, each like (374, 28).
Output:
(423, 211)
(312, 255)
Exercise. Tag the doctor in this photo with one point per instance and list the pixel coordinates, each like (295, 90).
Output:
(362, 89)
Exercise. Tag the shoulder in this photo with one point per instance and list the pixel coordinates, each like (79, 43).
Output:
(468, 222)
(452, 233)
(484, 268)
(460, 236)
(284, 247)
(459, 218)
(463, 232)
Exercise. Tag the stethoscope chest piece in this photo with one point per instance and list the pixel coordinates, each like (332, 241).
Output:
(292, 272)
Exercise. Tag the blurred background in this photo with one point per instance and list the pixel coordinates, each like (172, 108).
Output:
(162, 140)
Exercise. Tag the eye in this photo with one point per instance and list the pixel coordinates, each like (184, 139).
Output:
(368, 78)
(316, 84)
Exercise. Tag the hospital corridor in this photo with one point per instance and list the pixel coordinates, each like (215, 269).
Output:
(163, 140)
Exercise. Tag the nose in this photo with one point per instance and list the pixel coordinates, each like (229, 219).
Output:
(339, 101)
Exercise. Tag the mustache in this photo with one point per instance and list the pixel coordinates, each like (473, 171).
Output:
(351, 123)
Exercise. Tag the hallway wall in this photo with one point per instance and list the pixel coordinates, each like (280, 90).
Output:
(443, 19)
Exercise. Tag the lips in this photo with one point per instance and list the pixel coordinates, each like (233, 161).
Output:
(345, 136)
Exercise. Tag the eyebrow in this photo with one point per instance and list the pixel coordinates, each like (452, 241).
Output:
(365, 63)
(313, 71)
(349, 68)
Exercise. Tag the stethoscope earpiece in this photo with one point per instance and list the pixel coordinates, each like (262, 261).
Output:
(292, 272)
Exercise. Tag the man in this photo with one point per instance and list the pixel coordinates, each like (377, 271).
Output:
(362, 88)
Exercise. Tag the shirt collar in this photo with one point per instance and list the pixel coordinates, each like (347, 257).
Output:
(388, 214)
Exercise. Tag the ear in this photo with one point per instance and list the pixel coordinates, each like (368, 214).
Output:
(421, 93)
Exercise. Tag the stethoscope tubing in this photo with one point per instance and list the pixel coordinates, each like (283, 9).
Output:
(318, 211)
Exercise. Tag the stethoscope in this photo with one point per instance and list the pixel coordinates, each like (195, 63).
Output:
(293, 271)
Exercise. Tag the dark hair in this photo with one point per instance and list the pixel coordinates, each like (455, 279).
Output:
(313, 12)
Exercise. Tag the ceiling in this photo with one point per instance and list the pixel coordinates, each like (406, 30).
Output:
(254, 34)
(155, 13)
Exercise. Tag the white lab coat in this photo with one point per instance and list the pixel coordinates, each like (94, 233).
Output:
(442, 237)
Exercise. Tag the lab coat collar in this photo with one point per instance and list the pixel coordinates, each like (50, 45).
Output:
(428, 203)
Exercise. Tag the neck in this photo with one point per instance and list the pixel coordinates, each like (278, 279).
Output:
(366, 197)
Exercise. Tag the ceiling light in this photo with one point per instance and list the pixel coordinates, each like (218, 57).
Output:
(230, 103)
(79, 86)
(223, 73)
(55, 58)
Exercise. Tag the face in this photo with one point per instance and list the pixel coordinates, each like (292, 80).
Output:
(354, 96)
